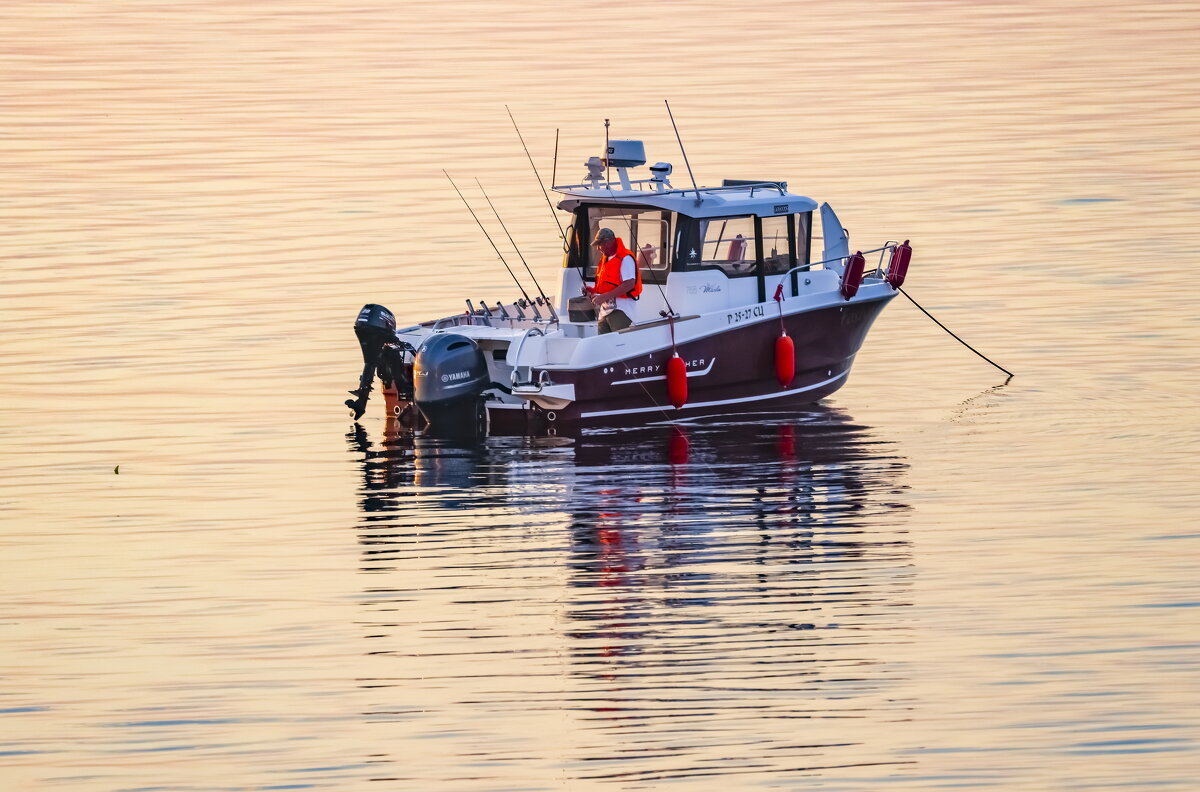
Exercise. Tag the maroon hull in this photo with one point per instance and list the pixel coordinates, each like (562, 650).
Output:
(729, 371)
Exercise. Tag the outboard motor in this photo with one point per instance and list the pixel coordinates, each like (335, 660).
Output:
(449, 377)
(375, 327)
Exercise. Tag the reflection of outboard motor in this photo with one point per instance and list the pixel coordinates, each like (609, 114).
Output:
(375, 327)
(449, 377)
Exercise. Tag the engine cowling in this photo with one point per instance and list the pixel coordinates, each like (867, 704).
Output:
(375, 328)
(450, 375)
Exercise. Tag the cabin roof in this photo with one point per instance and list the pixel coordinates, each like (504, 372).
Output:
(732, 198)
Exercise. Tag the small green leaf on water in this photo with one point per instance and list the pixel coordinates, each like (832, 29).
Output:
(117, 470)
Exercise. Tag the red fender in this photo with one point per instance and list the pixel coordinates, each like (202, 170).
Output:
(785, 360)
(852, 277)
(898, 266)
(676, 382)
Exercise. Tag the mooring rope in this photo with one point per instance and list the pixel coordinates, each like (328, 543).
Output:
(956, 338)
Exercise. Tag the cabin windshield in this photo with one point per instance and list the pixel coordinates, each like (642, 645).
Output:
(729, 243)
(736, 244)
(645, 231)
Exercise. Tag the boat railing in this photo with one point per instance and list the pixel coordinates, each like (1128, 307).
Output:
(877, 273)
(653, 186)
(458, 320)
(480, 318)
(880, 270)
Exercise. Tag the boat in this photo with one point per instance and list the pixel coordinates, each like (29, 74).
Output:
(736, 314)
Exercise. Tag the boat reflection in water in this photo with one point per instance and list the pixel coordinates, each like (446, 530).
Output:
(680, 601)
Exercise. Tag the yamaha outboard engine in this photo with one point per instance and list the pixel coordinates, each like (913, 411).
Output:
(375, 328)
(449, 377)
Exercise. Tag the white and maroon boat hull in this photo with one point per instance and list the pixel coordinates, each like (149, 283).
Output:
(727, 372)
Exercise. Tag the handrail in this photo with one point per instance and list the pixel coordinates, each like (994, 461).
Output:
(472, 320)
(878, 271)
(478, 319)
(891, 244)
(519, 347)
(607, 187)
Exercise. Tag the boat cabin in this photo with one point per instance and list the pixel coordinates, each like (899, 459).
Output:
(697, 250)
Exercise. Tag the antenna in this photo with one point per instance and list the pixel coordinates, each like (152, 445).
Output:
(486, 234)
(699, 200)
(561, 233)
(554, 173)
(514, 244)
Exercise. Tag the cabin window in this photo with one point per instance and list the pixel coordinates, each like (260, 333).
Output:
(729, 243)
(777, 233)
(651, 231)
(644, 231)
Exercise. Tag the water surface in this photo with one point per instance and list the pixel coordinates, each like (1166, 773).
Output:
(932, 580)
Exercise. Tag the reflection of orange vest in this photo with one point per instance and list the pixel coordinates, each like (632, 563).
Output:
(608, 274)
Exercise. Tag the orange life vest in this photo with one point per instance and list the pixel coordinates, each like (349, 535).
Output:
(608, 274)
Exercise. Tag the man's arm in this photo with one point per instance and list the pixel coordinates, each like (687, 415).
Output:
(623, 288)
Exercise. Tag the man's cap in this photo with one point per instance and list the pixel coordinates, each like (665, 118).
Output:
(602, 235)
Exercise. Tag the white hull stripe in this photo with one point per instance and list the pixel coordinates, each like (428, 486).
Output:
(691, 405)
(664, 376)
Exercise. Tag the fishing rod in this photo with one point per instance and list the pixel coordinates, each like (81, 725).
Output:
(489, 237)
(561, 233)
(514, 244)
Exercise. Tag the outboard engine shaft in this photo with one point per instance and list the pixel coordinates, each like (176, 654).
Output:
(449, 377)
(375, 327)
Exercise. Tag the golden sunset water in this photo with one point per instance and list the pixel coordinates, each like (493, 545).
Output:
(212, 580)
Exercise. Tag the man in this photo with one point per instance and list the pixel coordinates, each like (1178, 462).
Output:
(618, 283)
